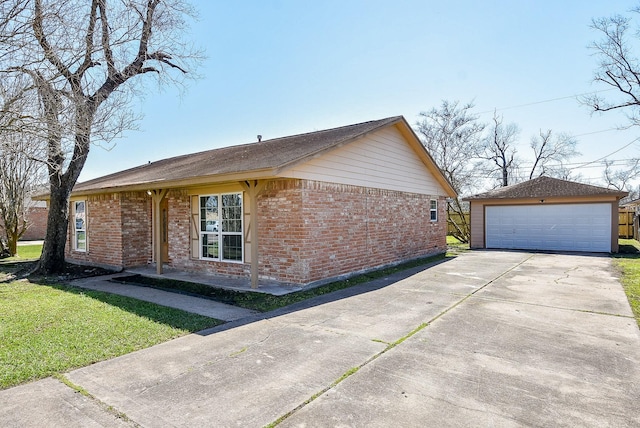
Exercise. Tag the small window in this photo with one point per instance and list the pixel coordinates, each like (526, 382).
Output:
(80, 226)
(433, 210)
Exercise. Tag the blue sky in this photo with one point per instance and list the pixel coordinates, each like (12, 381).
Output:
(284, 67)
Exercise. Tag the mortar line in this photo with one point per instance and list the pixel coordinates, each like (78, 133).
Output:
(390, 346)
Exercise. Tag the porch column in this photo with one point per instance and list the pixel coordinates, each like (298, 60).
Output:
(253, 189)
(157, 196)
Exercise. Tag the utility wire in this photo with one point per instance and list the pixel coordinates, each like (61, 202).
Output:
(544, 101)
(612, 153)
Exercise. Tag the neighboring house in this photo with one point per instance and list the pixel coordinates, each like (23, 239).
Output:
(308, 207)
(546, 214)
(37, 212)
(37, 219)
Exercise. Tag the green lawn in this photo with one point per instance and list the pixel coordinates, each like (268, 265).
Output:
(26, 252)
(628, 260)
(455, 245)
(49, 329)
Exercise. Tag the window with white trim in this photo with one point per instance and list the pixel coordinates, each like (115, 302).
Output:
(80, 226)
(433, 210)
(221, 227)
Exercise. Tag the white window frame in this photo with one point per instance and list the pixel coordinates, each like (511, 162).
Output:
(220, 233)
(433, 210)
(76, 229)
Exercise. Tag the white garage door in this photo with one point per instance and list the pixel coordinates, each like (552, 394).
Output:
(564, 227)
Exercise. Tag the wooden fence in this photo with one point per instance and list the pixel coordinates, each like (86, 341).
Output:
(627, 228)
(455, 217)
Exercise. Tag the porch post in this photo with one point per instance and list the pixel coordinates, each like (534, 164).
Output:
(253, 189)
(157, 196)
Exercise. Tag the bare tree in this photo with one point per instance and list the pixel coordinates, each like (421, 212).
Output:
(619, 67)
(621, 178)
(452, 136)
(20, 174)
(82, 57)
(20, 170)
(551, 152)
(499, 150)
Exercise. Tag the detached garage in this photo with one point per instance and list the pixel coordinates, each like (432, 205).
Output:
(546, 214)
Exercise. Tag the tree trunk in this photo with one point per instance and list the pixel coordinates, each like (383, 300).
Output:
(12, 245)
(55, 241)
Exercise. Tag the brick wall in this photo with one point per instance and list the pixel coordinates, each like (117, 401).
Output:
(37, 219)
(136, 228)
(310, 230)
(104, 232)
(118, 231)
(283, 233)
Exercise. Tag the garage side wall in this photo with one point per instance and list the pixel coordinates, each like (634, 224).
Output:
(476, 210)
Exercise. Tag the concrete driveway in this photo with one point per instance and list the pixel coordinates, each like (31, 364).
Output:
(493, 339)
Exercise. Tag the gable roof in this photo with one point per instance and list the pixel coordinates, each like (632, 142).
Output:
(546, 187)
(250, 161)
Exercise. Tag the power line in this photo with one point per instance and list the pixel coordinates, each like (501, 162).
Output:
(612, 153)
(544, 101)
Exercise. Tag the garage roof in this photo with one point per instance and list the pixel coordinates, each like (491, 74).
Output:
(546, 187)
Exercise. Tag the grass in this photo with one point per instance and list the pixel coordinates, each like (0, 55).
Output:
(29, 252)
(455, 245)
(49, 329)
(25, 252)
(266, 302)
(628, 260)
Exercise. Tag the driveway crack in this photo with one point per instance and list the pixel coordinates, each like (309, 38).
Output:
(101, 404)
(389, 347)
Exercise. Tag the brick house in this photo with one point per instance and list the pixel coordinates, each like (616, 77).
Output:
(309, 207)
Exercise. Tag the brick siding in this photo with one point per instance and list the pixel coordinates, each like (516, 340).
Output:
(37, 220)
(37, 224)
(308, 231)
(118, 231)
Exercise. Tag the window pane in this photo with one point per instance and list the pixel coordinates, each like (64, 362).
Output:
(210, 246)
(231, 200)
(209, 214)
(81, 241)
(79, 215)
(232, 247)
(232, 213)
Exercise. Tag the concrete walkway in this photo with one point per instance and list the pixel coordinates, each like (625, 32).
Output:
(196, 305)
(487, 339)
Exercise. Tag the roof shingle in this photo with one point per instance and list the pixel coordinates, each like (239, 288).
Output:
(265, 155)
(546, 187)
